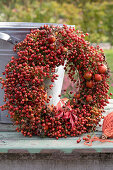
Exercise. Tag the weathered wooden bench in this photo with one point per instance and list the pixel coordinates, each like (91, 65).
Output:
(19, 152)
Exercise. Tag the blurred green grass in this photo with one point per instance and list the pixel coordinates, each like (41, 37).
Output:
(109, 59)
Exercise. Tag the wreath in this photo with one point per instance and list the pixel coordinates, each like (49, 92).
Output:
(26, 96)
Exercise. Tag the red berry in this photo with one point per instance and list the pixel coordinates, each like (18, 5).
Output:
(51, 39)
(87, 34)
(89, 98)
(98, 77)
(89, 84)
(102, 69)
(79, 140)
(87, 75)
(77, 95)
(50, 96)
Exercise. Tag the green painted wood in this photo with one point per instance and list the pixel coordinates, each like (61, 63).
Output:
(16, 142)
(7, 127)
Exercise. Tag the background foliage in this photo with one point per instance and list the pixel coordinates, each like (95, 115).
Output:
(92, 16)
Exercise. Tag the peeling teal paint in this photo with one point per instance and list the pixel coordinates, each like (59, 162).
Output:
(67, 150)
(34, 150)
(99, 149)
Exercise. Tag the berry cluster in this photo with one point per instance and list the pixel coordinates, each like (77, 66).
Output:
(26, 93)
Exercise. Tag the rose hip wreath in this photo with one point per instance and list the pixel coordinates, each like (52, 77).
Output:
(24, 84)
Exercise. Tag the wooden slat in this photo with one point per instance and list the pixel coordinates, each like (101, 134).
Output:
(13, 142)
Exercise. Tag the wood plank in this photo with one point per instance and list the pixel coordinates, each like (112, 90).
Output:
(7, 127)
(15, 142)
